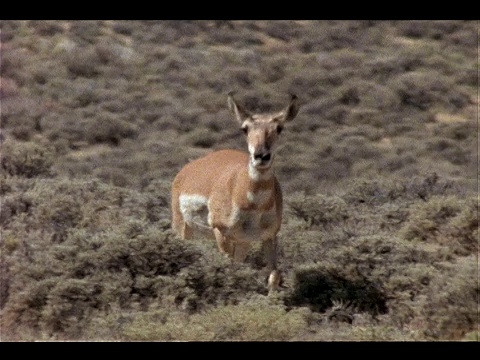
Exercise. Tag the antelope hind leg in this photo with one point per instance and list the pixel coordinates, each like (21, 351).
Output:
(187, 232)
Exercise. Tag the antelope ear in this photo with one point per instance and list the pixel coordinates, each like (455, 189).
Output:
(240, 113)
(289, 113)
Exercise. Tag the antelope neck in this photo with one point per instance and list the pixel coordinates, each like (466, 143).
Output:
(259, 175)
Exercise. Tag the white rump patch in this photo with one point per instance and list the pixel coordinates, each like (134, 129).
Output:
(194, 209)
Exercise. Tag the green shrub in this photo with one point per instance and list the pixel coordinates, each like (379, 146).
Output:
(14, 203)
(369, 95)
(26, 159)
(86, 30)
(464, 228)
(318, 210)
(200, 137)
(258, 321)
(110, 129)
(428, 29)
(472, 336)
(47, 27)
(111, 175)
(83, 62)
(464, 38)
(372, 191)
(421, 89)
(451, 308)
(21, 115)
(123, 27)
(449, 150)
(85, 247)
(68, 282)
(446, 220)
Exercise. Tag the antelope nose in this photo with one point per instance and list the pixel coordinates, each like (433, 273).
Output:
(262, 156)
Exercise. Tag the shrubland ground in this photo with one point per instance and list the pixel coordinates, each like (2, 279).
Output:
(379, 171)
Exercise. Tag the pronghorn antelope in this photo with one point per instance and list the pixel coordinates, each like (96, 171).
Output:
(235, 195)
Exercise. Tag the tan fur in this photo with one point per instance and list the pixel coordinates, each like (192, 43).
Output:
(235, 195)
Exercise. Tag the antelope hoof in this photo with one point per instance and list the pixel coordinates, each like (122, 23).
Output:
(274, 280)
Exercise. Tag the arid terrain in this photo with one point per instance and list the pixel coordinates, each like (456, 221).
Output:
(379, 172)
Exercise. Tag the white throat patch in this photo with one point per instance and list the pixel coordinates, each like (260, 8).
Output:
(257, 175)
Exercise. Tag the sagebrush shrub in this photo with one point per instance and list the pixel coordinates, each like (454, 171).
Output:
(318, 210)
(110, 129)
(74, 259)
(421, 89)
(26, 159)
(451, 308)
(260, 321)
(445, 220)
(83, 62)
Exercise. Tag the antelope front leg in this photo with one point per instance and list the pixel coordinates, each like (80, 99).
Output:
(227, 245)
(224, 244)
(270, 251)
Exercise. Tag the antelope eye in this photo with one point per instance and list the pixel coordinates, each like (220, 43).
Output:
(279, 129)
(245, 129)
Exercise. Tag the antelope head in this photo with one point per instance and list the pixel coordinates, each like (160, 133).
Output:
(262, 130)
